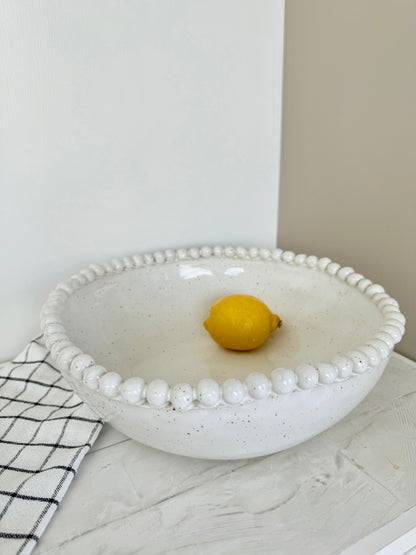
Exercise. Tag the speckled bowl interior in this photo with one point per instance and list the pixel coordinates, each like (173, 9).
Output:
(151, 319)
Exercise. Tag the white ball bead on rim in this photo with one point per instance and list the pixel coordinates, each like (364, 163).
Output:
(307, 376)
(181, 254)
(354, 278)
(395, 323)
(233, 391)
(241, 252)
(55, 338)
(66, 287)
(386, 337)
(54, 328)
(109, 384)
(390, 312)
(59, 346)
(50, 319)
(323, 263)
(194, 253)
(333, 268)
(387, 301)
(115, 266)
(311, 261)
(170, 255)
(159, 257)
(48, 309)
(206, 252)
(283, 380)
(98, 269)
(360, 361)
(344, 272)
(300, 259)
(363, 284)
(392, 330)
(51, 311)
(66, 356)
(53, 303)
(328, 373)
(157, 394)
(344, 365)
(118, 265)
(380, 346)
(394, 314)
(148, 259)
(288, 256)
(88, 274)
(265, 254)
(108, 267)
(92, 374)
(128, 263)
(131, 390)
(374, 289)
(258, 385)
(138, 260)
(229, 252)
(58, 295)
(378, 297)
(372, 354)
(277, 254)
(79, 364)
(208, 392)
(77, 281)
(182, 396)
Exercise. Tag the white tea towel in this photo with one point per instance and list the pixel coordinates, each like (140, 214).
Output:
(45, 432)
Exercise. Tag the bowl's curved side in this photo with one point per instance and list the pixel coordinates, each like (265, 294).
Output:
(249, 430)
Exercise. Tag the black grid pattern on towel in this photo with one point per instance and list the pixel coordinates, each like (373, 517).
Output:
(45, 432)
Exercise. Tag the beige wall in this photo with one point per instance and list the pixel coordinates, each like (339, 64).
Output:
(348, 181)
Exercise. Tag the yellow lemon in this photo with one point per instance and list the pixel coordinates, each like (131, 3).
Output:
(240, 322)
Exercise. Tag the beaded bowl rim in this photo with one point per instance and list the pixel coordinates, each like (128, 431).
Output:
(208, 393)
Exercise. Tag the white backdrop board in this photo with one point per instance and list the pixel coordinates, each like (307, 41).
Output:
(128, 126)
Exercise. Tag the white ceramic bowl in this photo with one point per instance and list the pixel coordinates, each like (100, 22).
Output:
(128, 335)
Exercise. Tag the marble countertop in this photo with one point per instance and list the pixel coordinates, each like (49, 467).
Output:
(354, 483)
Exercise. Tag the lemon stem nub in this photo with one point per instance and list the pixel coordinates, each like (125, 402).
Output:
(274, 322)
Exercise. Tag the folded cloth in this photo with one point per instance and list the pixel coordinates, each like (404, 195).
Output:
(45, 432)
